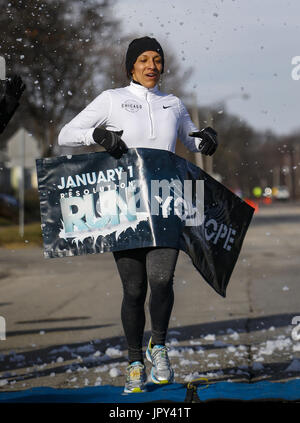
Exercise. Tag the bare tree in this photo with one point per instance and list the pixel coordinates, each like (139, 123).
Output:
(245, 156)
(56, 46)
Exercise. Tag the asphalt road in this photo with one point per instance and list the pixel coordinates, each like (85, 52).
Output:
(63, 325)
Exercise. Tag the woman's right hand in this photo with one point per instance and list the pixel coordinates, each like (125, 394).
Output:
(111, 141)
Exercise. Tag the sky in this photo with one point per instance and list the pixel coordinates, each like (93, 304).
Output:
(235, 47)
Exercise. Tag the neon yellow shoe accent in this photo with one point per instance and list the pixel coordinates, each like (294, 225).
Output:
(137, 390)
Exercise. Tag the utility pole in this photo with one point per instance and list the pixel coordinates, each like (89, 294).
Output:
(2, 68)
(22, 184)
(276, 176)
(209, 159)
(292, 172)
(195, 119)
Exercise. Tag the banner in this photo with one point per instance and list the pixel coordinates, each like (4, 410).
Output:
(94, 203)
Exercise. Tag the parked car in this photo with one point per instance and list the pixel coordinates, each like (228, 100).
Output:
(282, 193)
(9, 207)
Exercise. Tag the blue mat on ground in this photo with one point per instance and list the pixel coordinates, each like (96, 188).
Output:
(175, 392)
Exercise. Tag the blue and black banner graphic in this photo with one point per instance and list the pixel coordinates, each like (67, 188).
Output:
(94, 203)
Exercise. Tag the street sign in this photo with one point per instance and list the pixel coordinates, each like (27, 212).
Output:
(22, 150)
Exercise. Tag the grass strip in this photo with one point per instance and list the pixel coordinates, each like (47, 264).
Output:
(10, 236)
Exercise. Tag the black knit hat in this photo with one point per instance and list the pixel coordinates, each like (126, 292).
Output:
(137, 47)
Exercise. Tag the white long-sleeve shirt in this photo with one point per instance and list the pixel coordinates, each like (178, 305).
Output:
(148, 118)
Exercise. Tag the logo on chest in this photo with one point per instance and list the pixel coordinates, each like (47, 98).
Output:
(131, 106)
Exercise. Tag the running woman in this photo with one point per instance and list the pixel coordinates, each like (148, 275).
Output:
(140, 115)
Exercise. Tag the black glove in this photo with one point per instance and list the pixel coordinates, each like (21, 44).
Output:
(209, 142)
(14, 87)
(11, 91)
(111, 141)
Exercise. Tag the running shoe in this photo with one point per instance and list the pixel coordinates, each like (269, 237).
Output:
(161, 371)
(135, 378)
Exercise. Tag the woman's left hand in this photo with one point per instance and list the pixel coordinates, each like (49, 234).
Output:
(209, 141)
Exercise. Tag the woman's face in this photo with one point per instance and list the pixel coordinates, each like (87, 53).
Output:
(147, 69)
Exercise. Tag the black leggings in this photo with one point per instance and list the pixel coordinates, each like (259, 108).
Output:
(136, 266)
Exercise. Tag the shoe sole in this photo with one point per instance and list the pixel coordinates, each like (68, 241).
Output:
(134, 391)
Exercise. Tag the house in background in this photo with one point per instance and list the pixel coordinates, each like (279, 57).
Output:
(17, 162)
